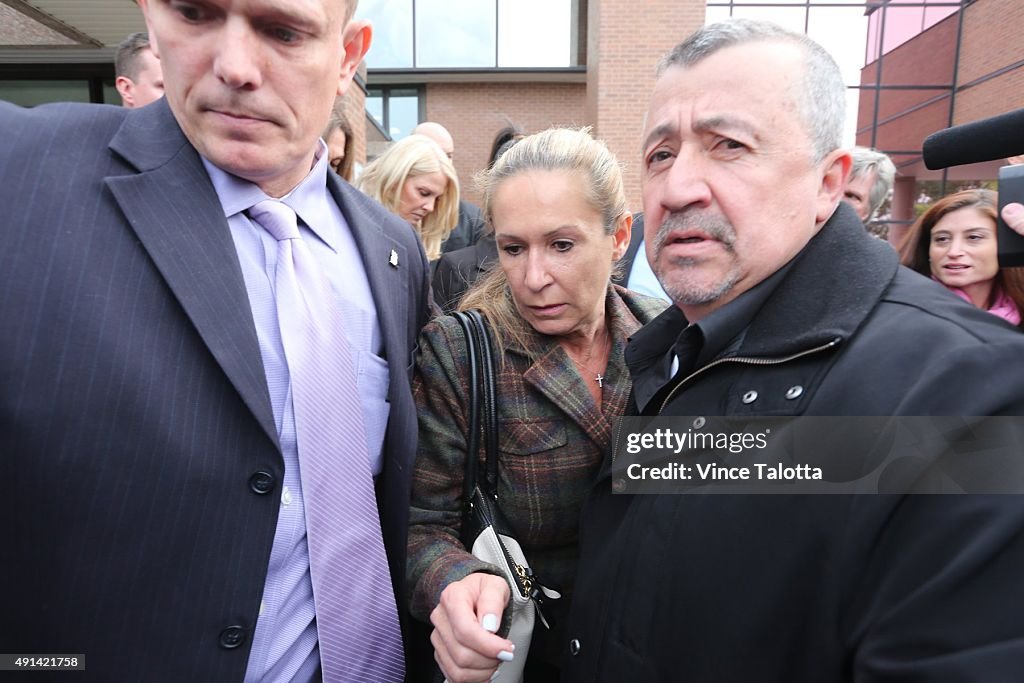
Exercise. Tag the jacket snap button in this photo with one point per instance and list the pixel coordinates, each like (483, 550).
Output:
(232, 637)
(794, 392)
(750, 396)
(618, 486)
(699, 422)
(574, 647)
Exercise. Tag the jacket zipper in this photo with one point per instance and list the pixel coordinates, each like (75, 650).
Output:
(733, 359)
(747, 361)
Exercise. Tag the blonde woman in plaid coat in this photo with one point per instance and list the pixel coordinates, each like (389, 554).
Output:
(556, 206)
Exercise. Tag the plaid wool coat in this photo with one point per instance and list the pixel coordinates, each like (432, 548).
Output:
(552, 439)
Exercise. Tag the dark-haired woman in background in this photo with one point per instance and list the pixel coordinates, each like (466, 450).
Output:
(954, 242)
(338, 136)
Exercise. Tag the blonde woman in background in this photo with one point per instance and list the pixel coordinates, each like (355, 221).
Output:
(415, 180)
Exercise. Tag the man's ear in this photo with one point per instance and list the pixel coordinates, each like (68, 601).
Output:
(621, 236)
(124, 89)
(835, 169)
(356, 40)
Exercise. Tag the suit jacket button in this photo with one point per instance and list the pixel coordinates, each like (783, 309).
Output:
(262, 482)
(574, 647)
(232, 637)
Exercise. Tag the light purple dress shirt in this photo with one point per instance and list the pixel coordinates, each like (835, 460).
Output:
(285, 644)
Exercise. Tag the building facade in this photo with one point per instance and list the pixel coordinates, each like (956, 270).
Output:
(932, 65)
(912, 67)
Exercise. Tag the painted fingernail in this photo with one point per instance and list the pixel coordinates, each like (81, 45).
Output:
(505, 656)
(490, 623)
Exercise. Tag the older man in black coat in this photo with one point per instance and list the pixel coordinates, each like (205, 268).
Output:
(785, 307)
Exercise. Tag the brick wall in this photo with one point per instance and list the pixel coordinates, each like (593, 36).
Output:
(908, 116)
(626, 39)
(991, 41)
(474, 112)
(990, 45)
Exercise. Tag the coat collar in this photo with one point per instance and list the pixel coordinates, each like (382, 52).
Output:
(831, 289)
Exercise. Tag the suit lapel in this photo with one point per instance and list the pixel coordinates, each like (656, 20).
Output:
(173, 209)
(384, 261)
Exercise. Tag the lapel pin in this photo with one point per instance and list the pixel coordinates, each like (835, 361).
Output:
(393, 259)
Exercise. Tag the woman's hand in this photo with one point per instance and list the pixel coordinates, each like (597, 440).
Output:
(464, 622)
(1013, 214)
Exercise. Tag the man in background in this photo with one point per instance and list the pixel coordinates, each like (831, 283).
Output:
(138, 76)
(872, 175)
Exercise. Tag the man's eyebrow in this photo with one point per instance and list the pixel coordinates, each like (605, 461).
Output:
(664, 130)
(711, 123)
(724, 123)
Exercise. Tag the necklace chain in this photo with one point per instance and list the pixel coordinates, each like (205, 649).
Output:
(585, 364)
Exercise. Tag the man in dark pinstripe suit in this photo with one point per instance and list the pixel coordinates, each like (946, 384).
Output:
(148, 480)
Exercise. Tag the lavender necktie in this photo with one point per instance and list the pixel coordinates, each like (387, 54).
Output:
(357, 622)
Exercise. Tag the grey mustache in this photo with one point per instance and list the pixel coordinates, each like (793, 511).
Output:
(713, 226)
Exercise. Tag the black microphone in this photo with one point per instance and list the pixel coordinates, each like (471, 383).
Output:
(993, 138)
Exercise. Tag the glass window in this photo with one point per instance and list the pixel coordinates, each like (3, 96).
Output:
(375, 105)
(110, 94)
(933, 15)
(391, 47)
(900, 25)
(525, 42)
(487, 34)
(396, 110)
(455, 33)
(403, 113)
(31, 93)
(874, 43)
(905, 117)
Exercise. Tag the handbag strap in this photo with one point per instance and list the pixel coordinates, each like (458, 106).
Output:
(473, 432)
(483, 407)
(489, 403)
